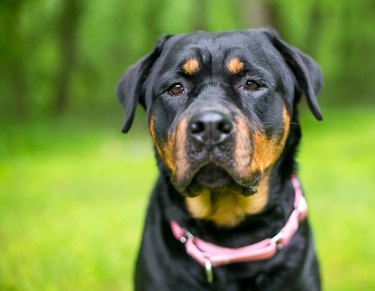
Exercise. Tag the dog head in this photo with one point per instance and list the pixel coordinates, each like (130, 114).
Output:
(219, 109)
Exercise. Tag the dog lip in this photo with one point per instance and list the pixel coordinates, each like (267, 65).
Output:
(212, 176)
(200, 179)
(182, 185)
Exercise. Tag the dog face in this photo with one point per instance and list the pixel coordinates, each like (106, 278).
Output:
(219, 109)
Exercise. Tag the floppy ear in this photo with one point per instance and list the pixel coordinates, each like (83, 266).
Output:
(307, 72)
(130, 89)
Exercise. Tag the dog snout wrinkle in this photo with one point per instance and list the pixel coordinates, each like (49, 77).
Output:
(210, 127)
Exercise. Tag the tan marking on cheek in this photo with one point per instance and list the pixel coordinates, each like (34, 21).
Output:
(151, 128)
(181, 160)
(264, 152)
(169, 153)
(165, 150)
(235, 66)
(268, 150)
(229, 208)
(242, 149)
(190, 66)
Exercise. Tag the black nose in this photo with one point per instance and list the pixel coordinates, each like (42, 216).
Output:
(210, 127)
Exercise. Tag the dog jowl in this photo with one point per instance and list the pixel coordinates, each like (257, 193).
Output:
(221, 110)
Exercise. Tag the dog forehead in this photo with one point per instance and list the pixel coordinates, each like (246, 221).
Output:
(202, 48)
(216, 41)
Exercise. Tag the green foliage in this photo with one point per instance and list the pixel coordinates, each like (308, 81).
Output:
(66, 56)
(337, 168)
(73, 197)
(71, 205)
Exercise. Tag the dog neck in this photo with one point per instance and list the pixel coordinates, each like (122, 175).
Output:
(208, 254)
(228, 208)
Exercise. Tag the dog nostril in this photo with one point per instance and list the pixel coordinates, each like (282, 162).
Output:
(225, 126)
(197, 127)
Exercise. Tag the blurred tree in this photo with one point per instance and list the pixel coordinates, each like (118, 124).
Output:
(200, 15)
(68, 23)
(66, 55)
(13, 71)
(260, 13)
(153, 20)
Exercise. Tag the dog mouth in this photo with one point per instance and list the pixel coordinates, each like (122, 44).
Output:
(217, 179)
(212, 177)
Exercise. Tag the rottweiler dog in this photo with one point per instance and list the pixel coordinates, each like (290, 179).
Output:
(227, 212)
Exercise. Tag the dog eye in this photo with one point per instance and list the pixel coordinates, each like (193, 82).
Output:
(176, 89)
(251, 85)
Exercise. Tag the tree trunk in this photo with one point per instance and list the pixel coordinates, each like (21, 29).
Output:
(12, 61)
(313, 33)
(260, 14)
(200, 15)
(67, 34)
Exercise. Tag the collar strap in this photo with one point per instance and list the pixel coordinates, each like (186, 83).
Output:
(209, 255)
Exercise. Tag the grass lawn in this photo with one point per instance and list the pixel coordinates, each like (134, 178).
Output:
(73, 195)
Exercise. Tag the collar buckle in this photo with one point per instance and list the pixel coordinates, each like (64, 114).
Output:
(208, 270)
(187, 235)
(278, 240)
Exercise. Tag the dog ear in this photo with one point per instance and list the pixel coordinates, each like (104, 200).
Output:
(130, 89)
(306, 70)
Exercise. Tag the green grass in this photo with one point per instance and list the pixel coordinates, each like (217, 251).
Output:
(338, 170)
(73, 197)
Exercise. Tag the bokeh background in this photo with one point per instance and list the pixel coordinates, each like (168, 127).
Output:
(73, 190)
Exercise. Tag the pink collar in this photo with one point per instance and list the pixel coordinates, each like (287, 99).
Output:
(210, 255)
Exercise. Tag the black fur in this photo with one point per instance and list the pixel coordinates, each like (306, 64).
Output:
(287, 73)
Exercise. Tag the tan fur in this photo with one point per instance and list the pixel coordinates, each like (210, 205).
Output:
(166, 151)
(228, 208)
(242, 150)
(172, 152)
(235, 66)
(181, 160)
(190, 66)
(266, 150)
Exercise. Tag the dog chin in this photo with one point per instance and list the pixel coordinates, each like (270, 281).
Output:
(217, 179)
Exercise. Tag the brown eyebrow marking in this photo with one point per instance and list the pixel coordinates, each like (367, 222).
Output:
(235, 66)
(190, 66)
